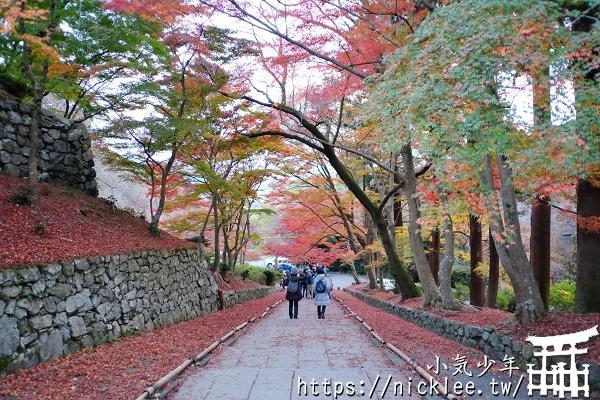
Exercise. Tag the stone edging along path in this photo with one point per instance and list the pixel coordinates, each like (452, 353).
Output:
(486, 339)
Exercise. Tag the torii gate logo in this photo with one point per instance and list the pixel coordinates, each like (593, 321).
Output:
(560, 380)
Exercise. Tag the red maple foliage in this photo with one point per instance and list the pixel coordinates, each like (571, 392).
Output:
(68, 225)
(123, 369)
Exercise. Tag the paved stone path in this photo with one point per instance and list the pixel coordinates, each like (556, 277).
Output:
(270, 359)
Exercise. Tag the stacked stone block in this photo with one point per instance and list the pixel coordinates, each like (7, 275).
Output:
(64, 147)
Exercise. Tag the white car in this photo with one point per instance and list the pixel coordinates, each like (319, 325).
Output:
(388, 284)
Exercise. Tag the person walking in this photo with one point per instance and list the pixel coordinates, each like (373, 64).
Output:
(294, 292)
(309, 286)
(304, 283)
(322, 292)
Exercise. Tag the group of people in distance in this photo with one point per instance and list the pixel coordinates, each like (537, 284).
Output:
(313, 282)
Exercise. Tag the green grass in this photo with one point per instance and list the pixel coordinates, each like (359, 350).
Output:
(255, 274)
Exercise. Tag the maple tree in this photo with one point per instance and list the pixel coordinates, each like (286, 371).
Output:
(353, 54)
(221, 179)
(318, 212)
(181, 92)
(102, 47)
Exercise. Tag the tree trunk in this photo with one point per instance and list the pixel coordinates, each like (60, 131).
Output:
(431, 293)
(403, 280)
(389, 207)
(380, 278)
(477, 289)
(39, 86)
(492, 289)
(587, 297)
(398, 209)
(401, 275)
(370, 239)
(448, 300)
(155, 219)
(372, 279)
(434, 255)
(216, 230)
(539, 243)
(351, 236)
(511, 252)
(539, 246)
(228, 260)
(32, 162)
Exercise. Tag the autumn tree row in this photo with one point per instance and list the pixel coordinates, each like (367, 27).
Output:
(436, 75)
(396, 114)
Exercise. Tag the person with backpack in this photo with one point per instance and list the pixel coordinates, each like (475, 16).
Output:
(322, 292)
(294, 292)
(309, 286)
(303, 283)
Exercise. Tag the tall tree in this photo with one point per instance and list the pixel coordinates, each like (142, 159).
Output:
(477, 287)
(584, 60)
(180, 90)
(541, 212)
(434, 255)
(494, 275)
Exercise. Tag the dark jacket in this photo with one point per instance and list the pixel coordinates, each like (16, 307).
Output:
(303, 280)
(293, 295)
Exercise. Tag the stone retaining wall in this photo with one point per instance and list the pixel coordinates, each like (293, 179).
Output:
(229, 298)
(64, 154)
(492, 343)
(57, 309)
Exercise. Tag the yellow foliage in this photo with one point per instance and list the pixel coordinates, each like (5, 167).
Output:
(483, 269)
(56, 69)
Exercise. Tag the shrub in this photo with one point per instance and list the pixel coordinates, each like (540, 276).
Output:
(224, 268)
(506, 300)
(461, 292)
(460, 277)
(562, 296)
(253, 273)
(269, 277)
(245, 274)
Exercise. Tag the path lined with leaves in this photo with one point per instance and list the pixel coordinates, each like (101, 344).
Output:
(268, 362)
